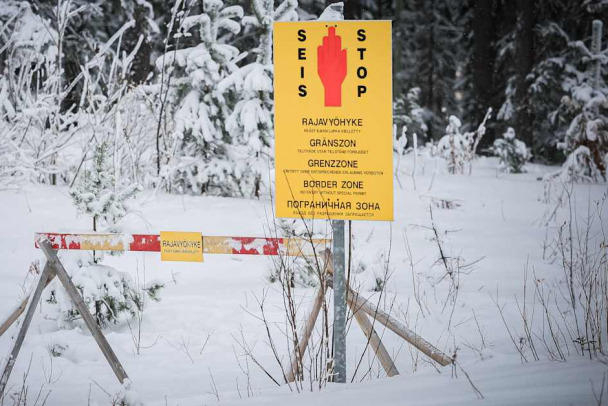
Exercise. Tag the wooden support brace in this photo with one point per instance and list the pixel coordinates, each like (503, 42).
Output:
(45, 277)
(400, 329)
(14, 316)
(367, 327)
(19, 310)
(298, 353)
(54, 268)
(66, 281)
(396, 326)
(374, 340)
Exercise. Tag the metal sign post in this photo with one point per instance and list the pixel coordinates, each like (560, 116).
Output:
(338, 280)
(362, 310)
(333, 126)
(339, 302)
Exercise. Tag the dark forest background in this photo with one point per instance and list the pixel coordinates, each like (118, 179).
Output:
(464, 56)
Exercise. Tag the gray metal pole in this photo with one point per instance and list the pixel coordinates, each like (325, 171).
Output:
(335, 12)
(339, 302)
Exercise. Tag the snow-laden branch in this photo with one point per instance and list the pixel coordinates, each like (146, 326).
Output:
(98, 57)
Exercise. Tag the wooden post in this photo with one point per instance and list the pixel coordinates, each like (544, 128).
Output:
(396, 326)
(19, 310)
(400, 329)
(362, 320)
(65, 280)
(374, 340)
(360, 307)
(298, 353)
(45, 276)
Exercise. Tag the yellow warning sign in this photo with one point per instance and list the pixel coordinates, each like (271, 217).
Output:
(181, 246)
(333, 120)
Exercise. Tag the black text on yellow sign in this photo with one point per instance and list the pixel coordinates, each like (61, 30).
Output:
(181, 246)
(333, 120)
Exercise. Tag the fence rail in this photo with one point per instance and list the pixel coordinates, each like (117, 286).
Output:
(211, 244)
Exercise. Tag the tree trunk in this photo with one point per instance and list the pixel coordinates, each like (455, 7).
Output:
(483, 58)
(352, 10)
(524, 60)
(94, 230)
(141, 66)
(398, 85)
(431, 59)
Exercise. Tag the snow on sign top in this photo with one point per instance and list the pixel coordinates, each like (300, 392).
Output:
(333, 120)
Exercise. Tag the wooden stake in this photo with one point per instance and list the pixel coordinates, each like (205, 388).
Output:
(298, 353)
(19, 310)
(45, 277)
(14, 316)
(374, 339)
(400, 329)
(367, 327)
(397, 327)
(65, 280)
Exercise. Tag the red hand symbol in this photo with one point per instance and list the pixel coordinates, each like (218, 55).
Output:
(331, 65)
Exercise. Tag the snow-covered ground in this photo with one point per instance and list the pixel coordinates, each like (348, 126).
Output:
(189, 353)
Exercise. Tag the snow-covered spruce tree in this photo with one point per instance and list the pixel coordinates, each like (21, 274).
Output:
(109, 295)
(534, 81)
(459, 149)
(511, 152)
(99, 194)
(252, 121)
(586, 138)
(409, 114)
(452, 146)
(204, 159)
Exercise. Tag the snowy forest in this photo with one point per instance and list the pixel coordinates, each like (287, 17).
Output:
(180, 94)
(136, 116)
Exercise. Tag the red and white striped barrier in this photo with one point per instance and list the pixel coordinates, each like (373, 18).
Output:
(211, 244)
